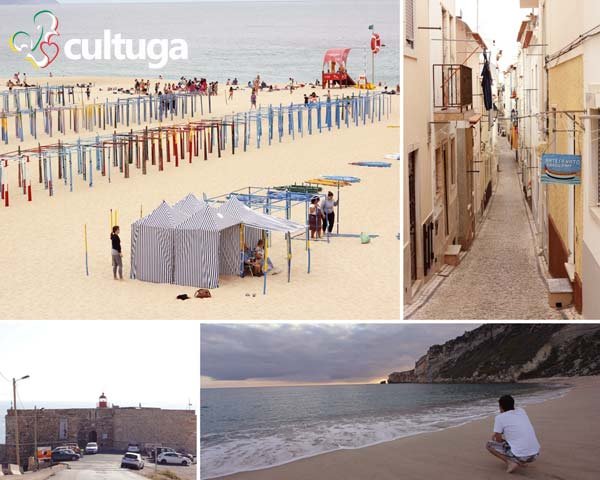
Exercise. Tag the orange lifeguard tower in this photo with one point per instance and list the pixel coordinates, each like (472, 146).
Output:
(334, 68)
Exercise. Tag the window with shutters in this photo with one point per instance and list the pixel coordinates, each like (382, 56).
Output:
(409, 23)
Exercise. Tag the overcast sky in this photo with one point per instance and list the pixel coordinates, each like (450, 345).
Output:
(292, 354)
(498, 20)
(149, 362)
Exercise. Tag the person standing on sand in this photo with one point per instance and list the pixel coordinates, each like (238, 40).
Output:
(514, 440)
(230, 93)
(315, 217)
(329, 205)
(117, 255)
(253, 99)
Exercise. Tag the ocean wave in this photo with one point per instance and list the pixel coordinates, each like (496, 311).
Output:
(256, 449)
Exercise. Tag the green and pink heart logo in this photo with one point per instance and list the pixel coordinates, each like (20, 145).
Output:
(38, 47)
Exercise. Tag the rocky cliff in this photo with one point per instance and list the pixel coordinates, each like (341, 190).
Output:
(507, 353)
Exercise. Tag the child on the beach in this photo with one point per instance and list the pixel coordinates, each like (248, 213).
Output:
(253, 99)
(514, 440)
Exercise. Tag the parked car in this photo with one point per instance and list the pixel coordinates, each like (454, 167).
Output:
(134, 448)
(74, 447)
(173, 458)
(91, 448)
(62, 455)
(158, 450)
(61, 448)
(132, 460)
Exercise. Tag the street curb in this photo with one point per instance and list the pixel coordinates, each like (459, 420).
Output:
(44, 474)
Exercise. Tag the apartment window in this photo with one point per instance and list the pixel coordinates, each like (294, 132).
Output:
(409, 23)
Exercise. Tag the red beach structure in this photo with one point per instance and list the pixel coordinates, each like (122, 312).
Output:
(334, 68)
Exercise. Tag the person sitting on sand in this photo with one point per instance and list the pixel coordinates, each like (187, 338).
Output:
(259, 255)
(117, 255)
(514, 440)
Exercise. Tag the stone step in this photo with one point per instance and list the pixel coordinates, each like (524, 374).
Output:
(452, 255)
(560, 292)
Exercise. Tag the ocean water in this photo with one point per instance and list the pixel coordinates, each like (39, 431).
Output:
(252, 428)
(227, 39)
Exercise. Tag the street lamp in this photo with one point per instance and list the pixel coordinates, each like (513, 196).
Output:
(17, 443)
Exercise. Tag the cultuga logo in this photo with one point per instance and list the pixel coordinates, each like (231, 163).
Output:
(38, 47)
(158, 52)
(41, 51)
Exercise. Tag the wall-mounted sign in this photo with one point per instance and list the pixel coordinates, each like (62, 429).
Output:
(44, 454)
(565, 169)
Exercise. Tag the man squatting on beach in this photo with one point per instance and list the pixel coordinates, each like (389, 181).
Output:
(117, 255)
(514, 441)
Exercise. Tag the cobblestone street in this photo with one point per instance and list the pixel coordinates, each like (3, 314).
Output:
(499, 277)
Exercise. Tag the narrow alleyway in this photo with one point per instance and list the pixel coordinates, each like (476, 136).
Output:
(499, 277)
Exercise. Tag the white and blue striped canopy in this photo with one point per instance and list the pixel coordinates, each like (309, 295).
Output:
(206, 245)
(235, 209)
(189, 204)
(152, 255)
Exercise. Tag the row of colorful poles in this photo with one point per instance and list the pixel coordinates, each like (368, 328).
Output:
(122, 112)
(37, 97)
(175, 143)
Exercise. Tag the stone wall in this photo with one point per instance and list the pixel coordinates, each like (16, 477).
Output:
(111, 428)
(173, 428)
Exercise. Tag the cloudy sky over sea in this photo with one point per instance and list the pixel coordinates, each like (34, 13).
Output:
(295, 354)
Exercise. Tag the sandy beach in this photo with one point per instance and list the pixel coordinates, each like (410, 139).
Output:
(43, 261)
(567, 427)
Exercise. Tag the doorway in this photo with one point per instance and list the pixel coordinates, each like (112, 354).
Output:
(412, 205)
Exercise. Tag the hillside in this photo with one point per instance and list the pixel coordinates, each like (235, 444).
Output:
(507, 353)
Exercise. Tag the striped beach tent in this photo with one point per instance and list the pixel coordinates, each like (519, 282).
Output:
(152, 255)
(257, 221)
(206, 246)
(190, 204)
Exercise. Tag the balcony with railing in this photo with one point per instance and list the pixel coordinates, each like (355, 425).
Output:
(452, 88)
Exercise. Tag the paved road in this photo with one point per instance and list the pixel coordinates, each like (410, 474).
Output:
(498, 279)
(98, 467)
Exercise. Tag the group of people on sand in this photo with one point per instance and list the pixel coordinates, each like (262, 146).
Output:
(321, 218)
(195, 85)
(16, 81)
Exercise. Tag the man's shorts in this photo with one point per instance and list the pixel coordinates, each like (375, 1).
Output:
(503, 448)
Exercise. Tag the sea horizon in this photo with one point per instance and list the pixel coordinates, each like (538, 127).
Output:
(276, 39)
(250, 429)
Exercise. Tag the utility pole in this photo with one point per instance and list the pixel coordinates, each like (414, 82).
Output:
(16, 423)
(17, 442)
